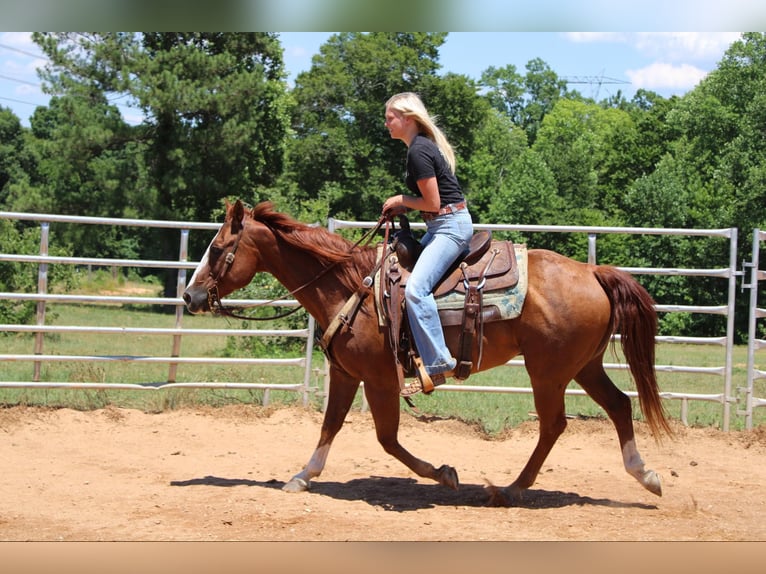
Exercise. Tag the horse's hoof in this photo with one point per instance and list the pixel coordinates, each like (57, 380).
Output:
(651, 482)
(448, 477)
(497, 496)
(296, 484)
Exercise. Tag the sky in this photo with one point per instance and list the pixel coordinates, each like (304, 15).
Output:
(597, 64)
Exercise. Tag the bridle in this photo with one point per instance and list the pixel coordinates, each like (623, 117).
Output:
(214, 299)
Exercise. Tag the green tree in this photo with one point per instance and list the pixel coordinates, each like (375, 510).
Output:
(216, 105)
(525, 99)
(504, 90)
(719, 142)
(18, 165)
(341, 154)
(739, 84)
(488, 171)
(653, 136)
(214, 121)
(11, 144)
(586, 147)
(527, 195)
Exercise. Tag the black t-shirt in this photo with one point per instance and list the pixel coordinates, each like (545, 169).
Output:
(424, 160)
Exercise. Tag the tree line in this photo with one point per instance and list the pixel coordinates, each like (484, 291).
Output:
(219, 120)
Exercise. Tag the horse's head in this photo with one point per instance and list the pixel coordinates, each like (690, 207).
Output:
(221, 271)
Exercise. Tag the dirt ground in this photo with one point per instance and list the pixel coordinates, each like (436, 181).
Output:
(216, 474)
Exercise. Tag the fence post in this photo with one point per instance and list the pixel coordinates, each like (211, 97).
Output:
(592, 248)
(180, 286)
(42, 289)
(309, 356)
(730, 329)
(753, 342)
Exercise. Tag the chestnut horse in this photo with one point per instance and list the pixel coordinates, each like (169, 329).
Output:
(571, 312)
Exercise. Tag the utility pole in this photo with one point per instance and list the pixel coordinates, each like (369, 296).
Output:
(598, 81)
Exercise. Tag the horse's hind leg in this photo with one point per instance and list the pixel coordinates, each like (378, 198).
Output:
(342, 391)
(594, 380)
(384, 406)
(549, 404)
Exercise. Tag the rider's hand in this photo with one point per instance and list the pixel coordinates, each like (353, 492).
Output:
(394, 206)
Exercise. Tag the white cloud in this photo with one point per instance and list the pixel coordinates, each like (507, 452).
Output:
(669, 46)
(26, 89)
(664, 76)
(679, 46)
(585, 37)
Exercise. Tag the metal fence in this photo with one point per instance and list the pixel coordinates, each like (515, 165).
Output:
(726, 397)
(173, 357)
(727, 273)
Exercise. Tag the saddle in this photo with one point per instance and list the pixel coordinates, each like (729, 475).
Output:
(488, 265)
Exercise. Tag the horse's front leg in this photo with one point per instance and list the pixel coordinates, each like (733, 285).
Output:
(342, 391)
(384, 406)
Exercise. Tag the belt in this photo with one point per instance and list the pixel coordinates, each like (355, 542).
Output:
(447, 209)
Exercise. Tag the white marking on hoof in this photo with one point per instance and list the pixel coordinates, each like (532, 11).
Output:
(632, 460)
(296, 484)
(649, 479)
(651, 482)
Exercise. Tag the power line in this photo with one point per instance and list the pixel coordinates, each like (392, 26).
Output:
(20, 51)
(593, 80)
(18, 80)
(3, 76)
(19, 101)
(598, 81)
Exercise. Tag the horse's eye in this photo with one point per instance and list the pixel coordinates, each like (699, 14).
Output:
(215, 252)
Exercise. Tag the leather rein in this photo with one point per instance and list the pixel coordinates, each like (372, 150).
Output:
(216, 304)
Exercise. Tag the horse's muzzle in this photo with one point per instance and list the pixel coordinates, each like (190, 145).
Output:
(196, 300)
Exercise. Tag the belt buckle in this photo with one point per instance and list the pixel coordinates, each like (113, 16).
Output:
(453, 207)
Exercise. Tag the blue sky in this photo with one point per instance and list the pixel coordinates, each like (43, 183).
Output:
(665, 62)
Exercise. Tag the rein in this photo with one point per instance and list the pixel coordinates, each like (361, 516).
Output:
(216, 304)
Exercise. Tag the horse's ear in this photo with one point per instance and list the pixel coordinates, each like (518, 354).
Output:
(237, 212)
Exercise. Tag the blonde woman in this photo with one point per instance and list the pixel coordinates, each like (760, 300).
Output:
(436, 193)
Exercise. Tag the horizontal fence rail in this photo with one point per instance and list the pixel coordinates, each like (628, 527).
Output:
(729, 273)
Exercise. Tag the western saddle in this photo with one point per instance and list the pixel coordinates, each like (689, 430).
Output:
(487, 265)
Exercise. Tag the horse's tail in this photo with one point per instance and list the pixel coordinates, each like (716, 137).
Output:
(635, 319)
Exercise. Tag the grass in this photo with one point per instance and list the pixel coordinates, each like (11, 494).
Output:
(492, 412)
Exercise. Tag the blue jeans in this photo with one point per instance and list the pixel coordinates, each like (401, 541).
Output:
(446, 239)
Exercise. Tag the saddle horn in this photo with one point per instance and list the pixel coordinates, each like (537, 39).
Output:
(405, 245)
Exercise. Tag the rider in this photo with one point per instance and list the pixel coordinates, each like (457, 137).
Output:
(442, 205)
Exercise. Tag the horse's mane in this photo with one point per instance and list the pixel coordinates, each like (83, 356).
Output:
(329, 248)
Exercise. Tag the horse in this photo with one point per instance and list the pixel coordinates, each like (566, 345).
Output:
(571, 313)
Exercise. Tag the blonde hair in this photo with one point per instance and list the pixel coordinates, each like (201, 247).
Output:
(410, 105)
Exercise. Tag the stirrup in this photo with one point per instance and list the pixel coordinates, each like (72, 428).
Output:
(423, 383)
(412, 388)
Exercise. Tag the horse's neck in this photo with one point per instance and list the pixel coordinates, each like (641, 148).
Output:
(317, 287)
(321, 295)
